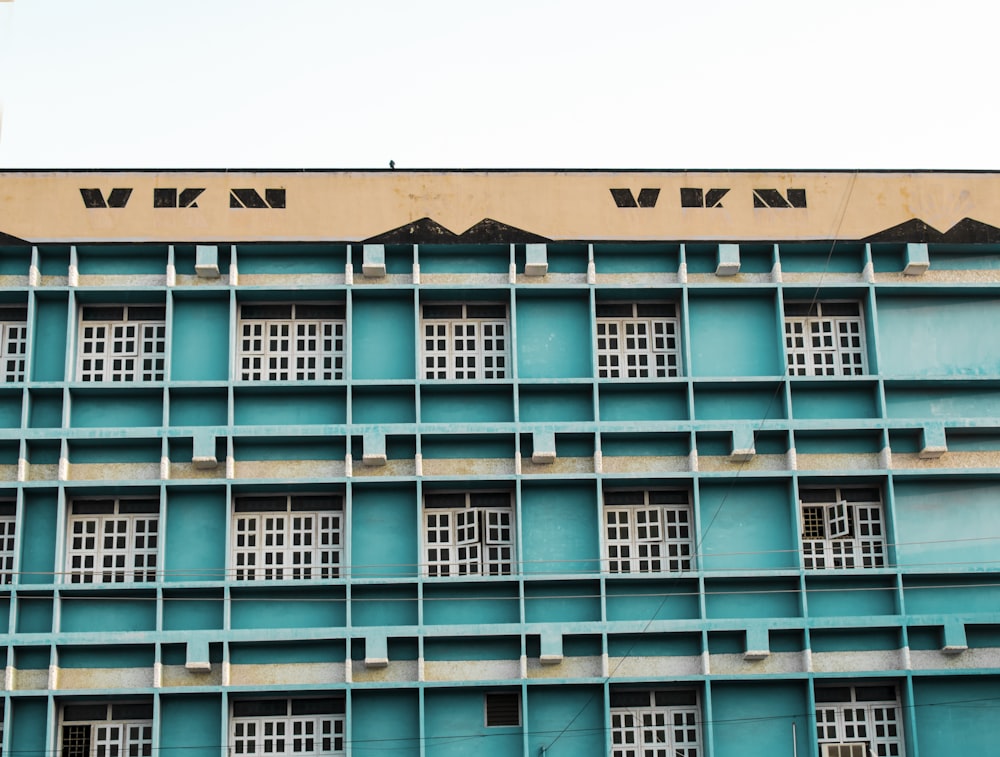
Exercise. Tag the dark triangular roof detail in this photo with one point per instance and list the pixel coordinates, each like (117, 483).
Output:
(423, 230)
(489, 230)
(8, 239)
(428, 231)
(971, 231)
(966, 231)
(913, 230)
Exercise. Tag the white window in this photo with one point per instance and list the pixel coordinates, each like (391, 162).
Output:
(468, 533)
(842, 528)
(296, 341)
(662, 723)
(859, 720)
(637, 340)
(107, 730)
(294, 536)
(648, 531)
(112, 540)
(13, 343)
(261, 727)
(824, 339)
(8, 540)
(465, 341)
(122, 343)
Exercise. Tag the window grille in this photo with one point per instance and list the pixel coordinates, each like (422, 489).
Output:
(842, 528)
(502, 709)
(13, 343)
(107, 730)
(122, 343)
(859, 720)
(824, 339)
(287, 537)
(287, 726)
(8, 540)
(112, 540)
(655, 724)
(468, 533)
(295, 341)
(637, 340)
(648, 531)
(464, 341)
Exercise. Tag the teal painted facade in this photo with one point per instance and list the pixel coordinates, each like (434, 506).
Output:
(748, 628)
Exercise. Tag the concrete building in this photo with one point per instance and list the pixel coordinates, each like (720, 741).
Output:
(499, 463)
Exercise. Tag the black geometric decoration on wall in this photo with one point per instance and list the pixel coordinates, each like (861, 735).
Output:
(8, 239)
(966, 231)
(428, 231)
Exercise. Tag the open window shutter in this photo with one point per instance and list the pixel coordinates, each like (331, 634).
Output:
(839, 521)
(467, 542)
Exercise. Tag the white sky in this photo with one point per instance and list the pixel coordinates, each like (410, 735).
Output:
(499, 83)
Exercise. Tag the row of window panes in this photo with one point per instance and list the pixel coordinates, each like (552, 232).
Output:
(256, 727)
(300, 537)
(305, 341)
(851, 721)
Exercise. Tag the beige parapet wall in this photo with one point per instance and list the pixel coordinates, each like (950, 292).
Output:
(352, 206)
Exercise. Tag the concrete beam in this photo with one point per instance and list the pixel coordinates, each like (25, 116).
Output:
(373, 261)
(536, 260)
(206, 261)
(728, 262)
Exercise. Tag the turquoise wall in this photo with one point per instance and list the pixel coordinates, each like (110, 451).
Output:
(939, 336)
(559, 529)
(191, 724)
(747, 525)
(561, 721)
(956, 714)
(758, 718)
(734, 336)
(200, 353)
(553, 337)
(384, 534)
(372, 736)
(456, 720)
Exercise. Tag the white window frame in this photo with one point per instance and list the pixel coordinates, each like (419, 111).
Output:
(824, 339)
(8, 539)
(667, 724)
(638, 340)
(112, 540)
(850, 721)
(118, 343)
(13, 343)
(648, 531)
(278, 537)
(464, 342)
(291, 341)
(306, 727)
(116, 733)
(842, 528)
(468, 534)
